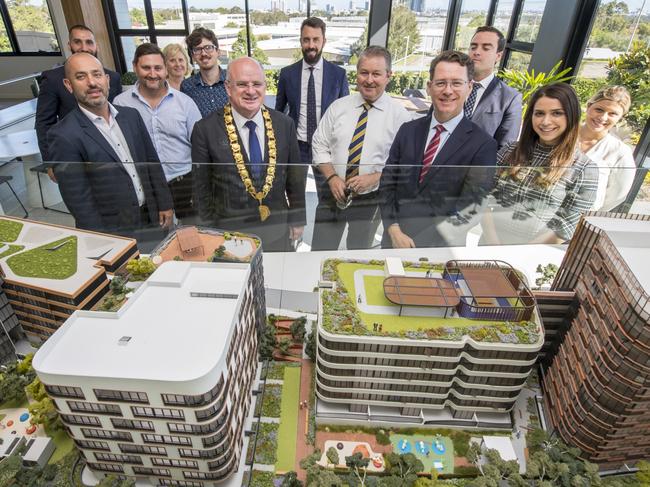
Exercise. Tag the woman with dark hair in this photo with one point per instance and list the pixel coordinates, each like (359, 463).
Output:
(545, 182)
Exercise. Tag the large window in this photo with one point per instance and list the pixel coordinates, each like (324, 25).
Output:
(26, 28)
(473, 14)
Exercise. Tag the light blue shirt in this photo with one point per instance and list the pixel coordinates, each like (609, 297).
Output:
(170, 126)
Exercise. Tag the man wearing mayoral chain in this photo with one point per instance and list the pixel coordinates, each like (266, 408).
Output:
(248, 174)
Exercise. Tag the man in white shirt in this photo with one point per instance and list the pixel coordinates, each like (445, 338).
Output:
(112, 180)
(491, 104)
(170, 117)
(350, 148)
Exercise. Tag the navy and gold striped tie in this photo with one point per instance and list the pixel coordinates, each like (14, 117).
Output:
(356, 145)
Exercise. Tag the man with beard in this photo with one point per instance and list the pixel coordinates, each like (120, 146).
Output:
(350, 148)
(309, 87)
(248, 175)
(54, 100)
(112, 180)
(170, 117)
(207, 87)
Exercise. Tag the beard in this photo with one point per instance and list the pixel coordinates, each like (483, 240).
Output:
(311, 56)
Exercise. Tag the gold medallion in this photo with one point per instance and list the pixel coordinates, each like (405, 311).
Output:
(239, 159)
(264, 212)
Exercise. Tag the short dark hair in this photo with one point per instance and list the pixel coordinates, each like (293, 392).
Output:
(453, 57)
(79, 27)
(146, 49)
(376, 51)
(314, 23)
(197, 35)
(501, 40)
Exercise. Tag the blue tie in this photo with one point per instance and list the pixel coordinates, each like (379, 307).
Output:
(254, 151)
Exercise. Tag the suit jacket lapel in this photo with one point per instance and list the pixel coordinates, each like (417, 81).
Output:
(455, 141)
(420, 139)
(93, 132)
(488, 91)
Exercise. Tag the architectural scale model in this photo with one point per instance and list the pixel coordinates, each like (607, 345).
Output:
(424, 343)
(201, 244)
(49, 271)
(11, 330)
(164, 389)
(603, 405)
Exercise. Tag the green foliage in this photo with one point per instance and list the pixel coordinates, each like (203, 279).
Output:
(586, 87)
(54, 260)
(357, 465)
(527, 82)
(332, 455)
(240, 47)
(32, 18)
(218, 253)
(272, 401)
(14, 380)
(129, 78)
(382, 437)
(643, 475)
(111, 480)
(262, 479)
(310, 347)
(118, 285)
(9, 230)
(141, 268)
(298, 329)
(631, 70)
(405, 466)
(548, 274)
(291, 480)
(25, 365)
(267, 342)
(267, 444)
(284, 345)
(403, 24)
(43, 412)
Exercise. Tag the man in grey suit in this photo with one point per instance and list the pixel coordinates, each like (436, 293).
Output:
(492, 105)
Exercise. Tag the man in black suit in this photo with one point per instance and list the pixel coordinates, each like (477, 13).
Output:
(248, 175)
(492, 105)
(112, 180)
(308, 88)
(54, 100)
(426, 201)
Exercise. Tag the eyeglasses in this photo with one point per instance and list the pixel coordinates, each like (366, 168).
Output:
(208, 48)
(456, 84)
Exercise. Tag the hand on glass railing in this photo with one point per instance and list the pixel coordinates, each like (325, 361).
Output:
(399, 239)
(166, 218)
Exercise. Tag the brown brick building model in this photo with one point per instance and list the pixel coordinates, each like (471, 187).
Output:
(597, 386)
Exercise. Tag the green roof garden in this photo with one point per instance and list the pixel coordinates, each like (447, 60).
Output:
(9, 230)
(357, 306)
(54, 260)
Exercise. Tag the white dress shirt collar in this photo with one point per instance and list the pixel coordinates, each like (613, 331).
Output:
(380, 103)
(317, 66)
(240, 123)
(112, 113)
(485, 82)
(450, 125)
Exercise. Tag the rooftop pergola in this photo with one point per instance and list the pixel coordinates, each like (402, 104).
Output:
(421, 291)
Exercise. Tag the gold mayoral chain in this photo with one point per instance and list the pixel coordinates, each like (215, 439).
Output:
(239, 159)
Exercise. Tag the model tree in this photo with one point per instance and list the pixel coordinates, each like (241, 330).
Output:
(112, 480)
(291, 480)
(140, 269)
(42, 410)
(548, 274)
(405, 466)
(357, 465)
(297, 329)
(284, 345)
(332, 455)
(15, 378)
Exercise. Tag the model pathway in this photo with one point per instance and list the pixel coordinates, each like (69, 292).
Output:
(302, 448)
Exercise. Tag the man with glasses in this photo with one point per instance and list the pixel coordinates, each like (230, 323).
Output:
(54, 100)
(207, 87)
(492, 105)
(350, 147)
(248, 175)
(426, 202)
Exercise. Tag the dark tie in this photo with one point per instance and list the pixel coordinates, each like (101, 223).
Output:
(468, 108)
(356, 145)
(430, 152)
(311, 106)
(254, 151)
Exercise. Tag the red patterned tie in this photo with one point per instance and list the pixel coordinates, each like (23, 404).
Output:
(432, 148)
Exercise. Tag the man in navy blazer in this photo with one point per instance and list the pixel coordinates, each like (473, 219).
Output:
(329, 83)
(426, 202)
(54, 100)
(494, 106)
(112, 180)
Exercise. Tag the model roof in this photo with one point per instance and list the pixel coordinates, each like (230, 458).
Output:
(35, 246)
(486, 283)
(178, 324)
(632, 240)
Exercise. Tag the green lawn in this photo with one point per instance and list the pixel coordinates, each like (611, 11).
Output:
(446, 458)
(11, 250)
(54, 260)
(288, 420)
(276, 369)
(64, 445)
(9, 230)
(394, 323)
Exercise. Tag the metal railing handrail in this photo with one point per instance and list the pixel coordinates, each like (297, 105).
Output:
(19, 78)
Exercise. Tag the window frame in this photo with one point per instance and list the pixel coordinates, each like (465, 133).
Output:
(13, 39)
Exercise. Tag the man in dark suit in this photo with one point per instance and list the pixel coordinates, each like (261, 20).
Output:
(248, 175)
(425, 201)
(492, 105)
(54, 100)
(112, 180)
(309, 87)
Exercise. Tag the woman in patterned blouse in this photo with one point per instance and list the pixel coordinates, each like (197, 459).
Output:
(545, 183)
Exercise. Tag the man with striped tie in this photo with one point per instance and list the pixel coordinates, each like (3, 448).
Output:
(350, 148)
(426, 199)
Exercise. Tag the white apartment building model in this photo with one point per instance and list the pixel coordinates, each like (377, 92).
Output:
(160, 389)
(423, 343)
